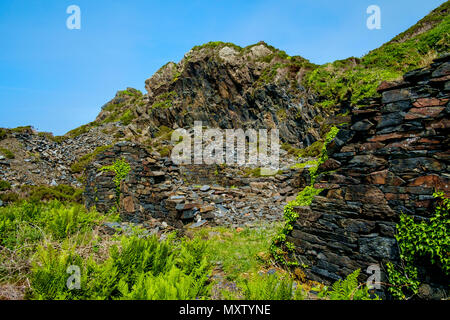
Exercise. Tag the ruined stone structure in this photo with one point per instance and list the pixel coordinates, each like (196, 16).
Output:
(157, 189)
(388, 160)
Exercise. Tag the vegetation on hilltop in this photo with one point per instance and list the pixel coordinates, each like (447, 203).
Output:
(354, 79)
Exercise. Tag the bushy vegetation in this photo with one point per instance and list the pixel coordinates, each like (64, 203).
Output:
(4, 185)
(347, 289)
(84, 161)
(421, 241)
(354, 79)
(7, 153)
(136, 268)
(26, 225)
(120, 168)
(63, 193)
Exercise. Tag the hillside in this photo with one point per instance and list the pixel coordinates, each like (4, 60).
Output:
(364, 154)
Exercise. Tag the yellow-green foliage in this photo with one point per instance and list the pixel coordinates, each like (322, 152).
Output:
(355, 79)
(136, 268)
(127, 117)
(347, 289)
(120, 168)
(85, 160)
(421, 241)
(7, 153)
(271, 287)
(4, 185)
(31, 221)
(164, 101)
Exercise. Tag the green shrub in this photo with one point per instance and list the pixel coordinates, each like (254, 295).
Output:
(9, 197)
(127, 117)
(84, 161)
(137, 268)
(7, 153)
(4, 185)
(54, 220)
(64, 193)
(428, 240)
(270, 287)
(347, 289)
(120, 168)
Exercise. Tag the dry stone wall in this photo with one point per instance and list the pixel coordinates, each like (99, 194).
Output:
(388, 160)
(157, 189)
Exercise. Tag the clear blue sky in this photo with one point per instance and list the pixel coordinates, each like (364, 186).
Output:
(57, 79)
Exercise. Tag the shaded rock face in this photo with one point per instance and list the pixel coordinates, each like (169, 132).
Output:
(389, 160)
(143, 191)
(229, 89)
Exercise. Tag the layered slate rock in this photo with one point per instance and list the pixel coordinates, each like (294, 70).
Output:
(156, 188)
(143, 192)
(387, 161)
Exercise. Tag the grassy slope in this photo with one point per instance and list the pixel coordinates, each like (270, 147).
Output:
(354, 79)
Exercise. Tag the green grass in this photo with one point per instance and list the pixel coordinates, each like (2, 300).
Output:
(164, 101)
(240, 253)
(4, 185)
(81, 130)
(7, 153)
(84, 161)
(41, 242)
(354, 79)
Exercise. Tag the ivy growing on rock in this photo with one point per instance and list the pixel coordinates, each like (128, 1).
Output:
(280, 248)
(121, 169)
(418, 240)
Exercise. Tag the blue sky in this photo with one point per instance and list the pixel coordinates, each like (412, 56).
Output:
(56, 79)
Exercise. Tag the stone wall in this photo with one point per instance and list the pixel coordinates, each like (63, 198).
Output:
(144, 192)
(187, 195)
(388, 160)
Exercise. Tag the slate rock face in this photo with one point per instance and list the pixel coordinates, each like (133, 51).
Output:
(390, 160)
(228, 88)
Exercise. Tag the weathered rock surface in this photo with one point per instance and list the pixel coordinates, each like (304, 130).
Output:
(388, 161)
(158, 189)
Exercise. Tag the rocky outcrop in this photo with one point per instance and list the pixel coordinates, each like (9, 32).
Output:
(228, 87)
(388, 160)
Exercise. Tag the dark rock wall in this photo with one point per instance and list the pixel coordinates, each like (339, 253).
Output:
(144, 192)
(389, 160)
